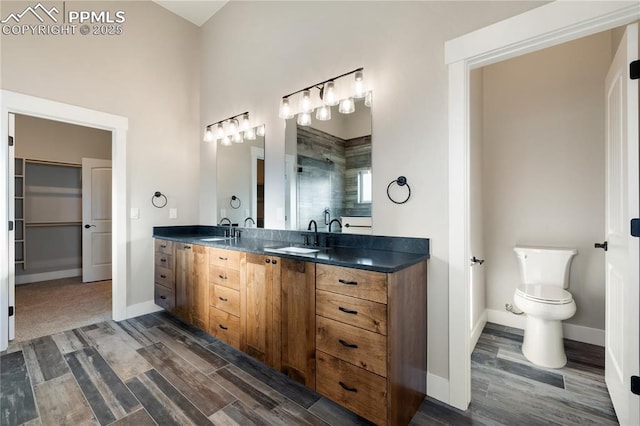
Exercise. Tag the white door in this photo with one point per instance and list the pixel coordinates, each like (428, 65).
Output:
(622, 263)
(12, 232)
(96, 220)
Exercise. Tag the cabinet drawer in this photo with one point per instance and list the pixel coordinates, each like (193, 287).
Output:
(227, 258)
(164, 246)
(367, 285)
(224, 276)
(361, 313)
(225, 327)
(164, 260)
(225, 299)
(164, 276)
(164, 297)
(359, 347)
(362, 392)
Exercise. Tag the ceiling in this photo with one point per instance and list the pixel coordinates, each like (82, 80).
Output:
(196, 11)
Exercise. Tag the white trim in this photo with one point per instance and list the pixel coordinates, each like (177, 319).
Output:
(256, 154)
(476, 331)
(12, 102)
(579, 333)
(539, 28)
(142, 308)
(48, 276)
(438, 388)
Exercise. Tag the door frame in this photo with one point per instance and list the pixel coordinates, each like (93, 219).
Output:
(539, 28)
(17, 103)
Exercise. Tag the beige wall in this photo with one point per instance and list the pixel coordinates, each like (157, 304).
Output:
(149, 74)
(401, 47)
(544, 164)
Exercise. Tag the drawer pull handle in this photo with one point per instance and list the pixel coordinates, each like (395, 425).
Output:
(163, 260)
(163, 276)
(223, 327)
(187, 247)
(348, 345)
(222, 298)
(163, 246)
(345, 282)
(163, 297)
(222, 277)
(222, 258)
(347, 388)
(348, 311)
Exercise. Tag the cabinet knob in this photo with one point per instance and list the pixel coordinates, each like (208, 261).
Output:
(267, 260)
(274, 261)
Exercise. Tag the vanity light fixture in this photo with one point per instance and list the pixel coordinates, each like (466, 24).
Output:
(232, 126)
(226, 140)
(219, 131)
(328, 96)
(237, 137)
(231, 129)
(250, 134)
(260, 130)
(208, 134)
(367, 99)
(245, 122)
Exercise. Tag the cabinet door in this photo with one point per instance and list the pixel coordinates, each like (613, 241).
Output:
(184, 279)
(199, 290)
(298, 320)
(260, 309)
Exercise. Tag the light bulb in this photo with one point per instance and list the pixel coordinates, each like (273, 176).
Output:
(232, 128)
(208, 135)
(359, 85)
(347, 106)
(304, 119)
(219, 131)
(329, 94)
(245, 122)
(323, 113)
(305, 101)
(260, 130)
(238, 138)
(367, 99)
(250, 134)
(226, 140)
(285, 109)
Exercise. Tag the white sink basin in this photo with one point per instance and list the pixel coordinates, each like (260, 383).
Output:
(293, 250)
(214, 239)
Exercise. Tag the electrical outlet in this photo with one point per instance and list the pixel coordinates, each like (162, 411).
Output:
(173, 213)
(134, 213)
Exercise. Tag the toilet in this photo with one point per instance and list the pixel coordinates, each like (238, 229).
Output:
(542, 296)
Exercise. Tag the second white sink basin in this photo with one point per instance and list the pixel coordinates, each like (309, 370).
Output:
(293, 250)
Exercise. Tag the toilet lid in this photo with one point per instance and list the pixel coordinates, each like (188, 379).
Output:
(545, 293)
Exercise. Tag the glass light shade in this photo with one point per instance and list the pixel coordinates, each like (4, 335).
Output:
(304, 119)
(232, 127)
(367, 99)
(226, 140)
(238, 138)
(208, 134)
(305, 102)
(219, 131)
(359, 89)
(285, 109)
(323, 113)
(347, 106)
(250, 134)
(245, 122)
(260, 130)
(329, 96)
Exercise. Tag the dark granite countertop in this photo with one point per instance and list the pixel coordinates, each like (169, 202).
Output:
(364, 257)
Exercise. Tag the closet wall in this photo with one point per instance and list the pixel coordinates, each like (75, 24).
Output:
(51, 153)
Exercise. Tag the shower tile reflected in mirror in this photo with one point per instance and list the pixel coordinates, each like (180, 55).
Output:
(240, 174)
(329, 169)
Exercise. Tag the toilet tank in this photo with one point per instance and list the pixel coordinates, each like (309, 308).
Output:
(544, 265)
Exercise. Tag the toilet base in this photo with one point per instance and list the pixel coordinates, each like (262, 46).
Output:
(543, 343)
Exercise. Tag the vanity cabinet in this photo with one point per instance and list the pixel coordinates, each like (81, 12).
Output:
(371, 331)
(184, 279)
(198, 292)
(164, 275)
(225, 270)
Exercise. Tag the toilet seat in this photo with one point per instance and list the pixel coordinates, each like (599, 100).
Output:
(549, 294)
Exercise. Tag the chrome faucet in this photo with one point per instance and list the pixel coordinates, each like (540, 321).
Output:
(337, 221)
(315, 232)
(249, 218)
(230, 232)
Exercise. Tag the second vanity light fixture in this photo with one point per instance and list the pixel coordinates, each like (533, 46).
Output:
(233, 130)
(329, 97)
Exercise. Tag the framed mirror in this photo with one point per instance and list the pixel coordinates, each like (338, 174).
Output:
(328, 172)
(240, 179)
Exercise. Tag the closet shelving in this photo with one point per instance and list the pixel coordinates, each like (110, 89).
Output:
(20, 231)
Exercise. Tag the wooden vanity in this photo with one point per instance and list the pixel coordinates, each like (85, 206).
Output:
(358, 337)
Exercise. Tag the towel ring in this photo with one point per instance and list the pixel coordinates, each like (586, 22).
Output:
(160, 204)
(237, 203)
(401, 181)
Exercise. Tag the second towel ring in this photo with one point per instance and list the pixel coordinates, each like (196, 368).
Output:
(163, 200)
(235, 202)
(401, 181)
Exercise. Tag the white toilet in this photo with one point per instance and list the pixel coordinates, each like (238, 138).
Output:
(541, 295)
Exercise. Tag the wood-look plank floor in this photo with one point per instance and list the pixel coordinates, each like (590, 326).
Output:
(155, 369)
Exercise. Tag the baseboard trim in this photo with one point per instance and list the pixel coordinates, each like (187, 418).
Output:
(143, 308)
(47, 276)
(477, 330)
(579, 333)
(438, 388)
